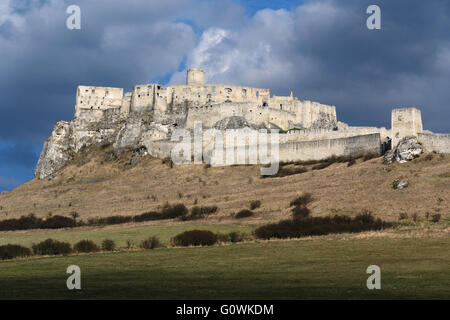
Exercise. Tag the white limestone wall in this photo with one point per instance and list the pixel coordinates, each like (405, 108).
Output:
(322, 149)
(435, 142)
(405, 122)
(98, 98)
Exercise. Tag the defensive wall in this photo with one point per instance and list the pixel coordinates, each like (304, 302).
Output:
(435, 142)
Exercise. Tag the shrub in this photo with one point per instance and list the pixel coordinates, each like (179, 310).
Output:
(195, 238)
(351, 162)
(110, 220)
(130, 244)
(200, 212)
(168, 161)
(52, 247)
(223, 237)
(232, 236)
(108, 245)
(243, 214)
(11, 251)
(86, 246)
(436, 217)
(312, 226)
(403, 216)
(303, 200)
(236, 236)
(150, 243)
(148, 216)
(255, 204)
(58, 222)
(300, 212)
(22, 223)
(174, 211)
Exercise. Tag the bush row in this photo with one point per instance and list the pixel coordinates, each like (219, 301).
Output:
(58, 222)
(199, 213)
(312, 226)
(206, 238)
(33, 222)
(55, 247)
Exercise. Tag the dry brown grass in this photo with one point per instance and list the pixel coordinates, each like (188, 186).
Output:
(104, 188)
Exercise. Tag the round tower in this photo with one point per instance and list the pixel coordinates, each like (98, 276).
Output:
(195, 76)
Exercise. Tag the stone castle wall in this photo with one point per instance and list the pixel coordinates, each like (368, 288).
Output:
(322, 149)
(435, 142)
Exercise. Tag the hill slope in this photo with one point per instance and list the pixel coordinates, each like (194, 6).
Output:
(94, 185)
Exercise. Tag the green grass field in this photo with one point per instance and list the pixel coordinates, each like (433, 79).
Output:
(330, 269)
(120, 234)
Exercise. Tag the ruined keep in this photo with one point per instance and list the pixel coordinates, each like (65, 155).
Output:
(145, 119)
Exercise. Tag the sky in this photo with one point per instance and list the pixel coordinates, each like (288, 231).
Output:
(321, 50)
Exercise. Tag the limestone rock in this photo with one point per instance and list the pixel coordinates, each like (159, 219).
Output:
(407, 149)
(324, 121)
(233, 122)
(399, 184)
(55, 152)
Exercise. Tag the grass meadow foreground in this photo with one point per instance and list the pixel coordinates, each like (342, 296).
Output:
(292, 269)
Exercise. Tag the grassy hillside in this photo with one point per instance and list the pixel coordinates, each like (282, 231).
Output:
(102, 188)
(267, 270)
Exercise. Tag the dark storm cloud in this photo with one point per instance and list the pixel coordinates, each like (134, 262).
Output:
(119, 44)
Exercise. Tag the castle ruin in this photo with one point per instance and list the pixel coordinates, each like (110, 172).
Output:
(145, 119)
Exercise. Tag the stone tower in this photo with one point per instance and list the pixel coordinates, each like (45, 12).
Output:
(195, 77)
(405, 122)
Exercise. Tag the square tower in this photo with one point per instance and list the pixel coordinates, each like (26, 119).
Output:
(405, 122)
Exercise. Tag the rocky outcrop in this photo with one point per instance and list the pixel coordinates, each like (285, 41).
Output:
(400, 184)
(407, 149)
(88, 128)
(99, 127)
(324, 121)
(233, 122)
(56, 151)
